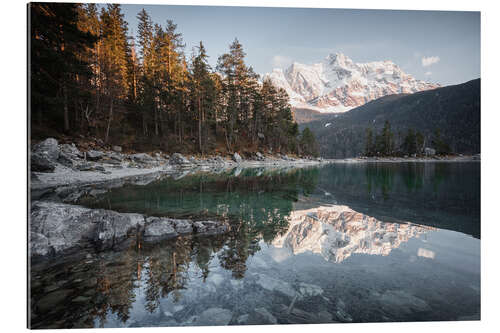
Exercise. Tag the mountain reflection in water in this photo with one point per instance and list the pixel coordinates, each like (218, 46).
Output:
(337, 232)
(334, 244)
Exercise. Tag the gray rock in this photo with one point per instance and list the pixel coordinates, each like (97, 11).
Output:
(113, 227)
(183, 226)
(94, 155)
(55, 227)
(237, 158)
(118, 149)
(158, 228)
(71, 150)
(341, 313)
(66, 160)
(299, 316)
(39, 244)
(214, 317)
(86, 167)
(265, 317)
(142, 158)
(178, 159)
(209, 227)
(41, 163)
(62, 225)
(325, 317)
(243, 319)
(47, 147)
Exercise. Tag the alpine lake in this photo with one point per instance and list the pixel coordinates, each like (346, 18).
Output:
(358, 242)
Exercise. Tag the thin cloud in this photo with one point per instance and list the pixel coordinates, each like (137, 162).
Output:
(428, 73)
(427, 61)
(281, 61)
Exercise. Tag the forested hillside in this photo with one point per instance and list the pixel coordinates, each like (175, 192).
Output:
(89, 78)
(446, 119)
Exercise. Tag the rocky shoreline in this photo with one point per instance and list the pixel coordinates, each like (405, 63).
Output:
(61, 174)
(54, 164)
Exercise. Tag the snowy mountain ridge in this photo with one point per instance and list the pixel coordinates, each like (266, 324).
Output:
(337, 84)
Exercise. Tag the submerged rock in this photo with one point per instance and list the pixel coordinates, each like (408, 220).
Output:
(399, 301)
(183, 226)
(265, 317)
(209, 227)
(158, 228)
(214, 317)
(272, 284)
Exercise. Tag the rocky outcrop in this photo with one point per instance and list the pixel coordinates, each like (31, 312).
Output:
(57, 227)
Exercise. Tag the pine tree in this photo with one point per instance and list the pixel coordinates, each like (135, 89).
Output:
(369, 145)
(114, 48)
(55, 47)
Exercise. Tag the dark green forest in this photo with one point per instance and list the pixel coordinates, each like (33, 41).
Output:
(89, 78)
(445, 119)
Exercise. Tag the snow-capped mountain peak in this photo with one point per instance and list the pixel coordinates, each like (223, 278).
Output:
(338, 84)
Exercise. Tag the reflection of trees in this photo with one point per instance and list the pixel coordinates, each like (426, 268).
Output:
(379, 177)
(256, 204)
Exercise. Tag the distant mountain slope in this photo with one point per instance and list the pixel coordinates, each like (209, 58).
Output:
(306, 115)
(337, 84)
(454, 110)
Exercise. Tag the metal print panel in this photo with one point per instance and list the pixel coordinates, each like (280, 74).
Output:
(197, 166)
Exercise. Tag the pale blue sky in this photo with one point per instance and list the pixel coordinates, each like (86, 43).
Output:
(272, 37)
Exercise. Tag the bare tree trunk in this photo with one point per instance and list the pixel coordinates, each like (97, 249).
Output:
(199, 124)
(66, 111)
(109, 119)
(156, 117)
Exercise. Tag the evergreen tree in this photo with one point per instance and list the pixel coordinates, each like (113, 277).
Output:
(369, 144)
(308, 143)
(410, 143)
(55, 64)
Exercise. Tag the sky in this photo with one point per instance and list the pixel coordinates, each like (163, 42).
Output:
(436, 46)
